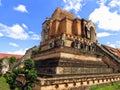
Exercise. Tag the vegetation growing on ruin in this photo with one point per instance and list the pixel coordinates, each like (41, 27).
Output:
(11, 60)
(28, 72)
(112, 86)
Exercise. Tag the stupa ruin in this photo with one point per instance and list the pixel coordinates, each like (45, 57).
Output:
(69, 55)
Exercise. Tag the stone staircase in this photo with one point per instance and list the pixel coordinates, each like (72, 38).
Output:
(109, 53)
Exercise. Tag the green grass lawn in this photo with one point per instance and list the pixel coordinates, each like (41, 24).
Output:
(3, 84)
(114, 86)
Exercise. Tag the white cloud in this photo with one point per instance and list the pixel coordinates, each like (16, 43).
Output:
(103, 34)
(13, 44)
(17, 32)
(101, 2)
(1, 35)
(75, 5)
(21, 8)
(106, 19)
(114, 3)
(111, 45)
(30, 32)
(25, 26)
(20, 51)
(116, 44)
(34, 36)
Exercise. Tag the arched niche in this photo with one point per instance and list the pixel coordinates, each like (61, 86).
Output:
(91, 31)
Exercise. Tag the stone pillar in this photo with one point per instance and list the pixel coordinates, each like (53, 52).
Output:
(55, 26)
(69, 26)
(50, 29)
(65, 26)
(76, 29)
(83, 24)
(62, 26)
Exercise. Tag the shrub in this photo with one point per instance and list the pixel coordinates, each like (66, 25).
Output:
(29, 73)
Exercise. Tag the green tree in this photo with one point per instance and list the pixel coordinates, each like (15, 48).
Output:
(0, 63)
(12, 60)
(29, 64)
(29, 73)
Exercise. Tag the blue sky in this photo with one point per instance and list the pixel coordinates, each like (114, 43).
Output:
(21, 20)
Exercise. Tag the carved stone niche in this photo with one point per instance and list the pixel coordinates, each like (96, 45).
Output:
(91, 31)
(75, 44)
(62, 40)
(52, 43)
(93, 47)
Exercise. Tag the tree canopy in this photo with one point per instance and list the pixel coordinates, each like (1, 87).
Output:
(29, 73)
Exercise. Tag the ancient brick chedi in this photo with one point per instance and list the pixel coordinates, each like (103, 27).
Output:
(69, 47)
